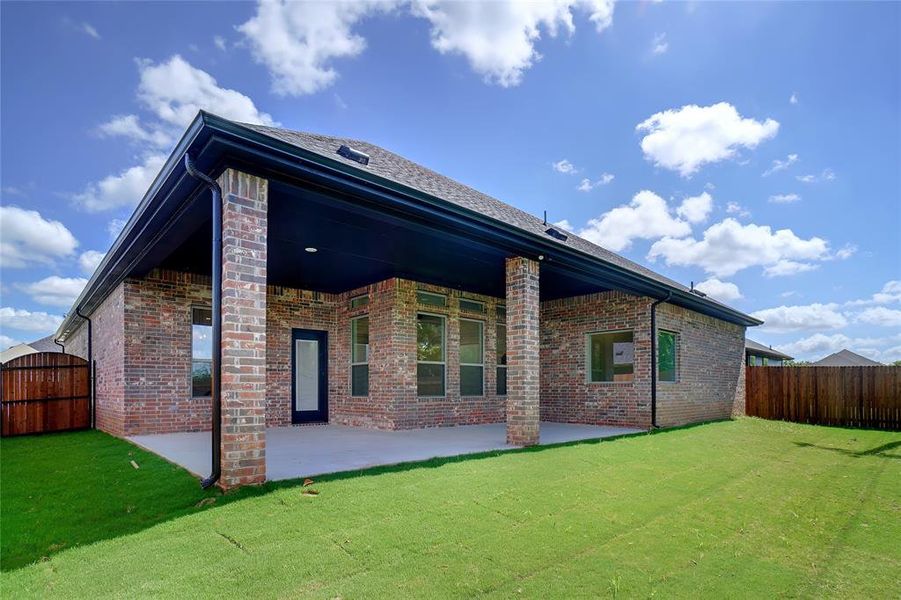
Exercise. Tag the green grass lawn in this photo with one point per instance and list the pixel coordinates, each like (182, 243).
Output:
(735, 509)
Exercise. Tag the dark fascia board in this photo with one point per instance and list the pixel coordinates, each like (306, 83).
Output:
(210, 129)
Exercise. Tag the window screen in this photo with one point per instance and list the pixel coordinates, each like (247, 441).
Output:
(666, 356)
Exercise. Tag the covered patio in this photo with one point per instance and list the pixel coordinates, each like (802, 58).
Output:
(294, 452)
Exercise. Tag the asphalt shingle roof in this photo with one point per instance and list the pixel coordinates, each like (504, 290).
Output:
(398, 169)
(760, 349)
(846, 358)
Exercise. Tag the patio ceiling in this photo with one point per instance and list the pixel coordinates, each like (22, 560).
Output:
(358, 244)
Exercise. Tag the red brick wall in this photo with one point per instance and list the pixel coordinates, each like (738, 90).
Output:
(109, 357)
(410, 411)
(710, 364)
(143, 350)
(523, 344)
(566, 394)
(158, 339)
(709, 367)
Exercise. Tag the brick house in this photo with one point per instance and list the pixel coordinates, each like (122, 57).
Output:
(359, 288)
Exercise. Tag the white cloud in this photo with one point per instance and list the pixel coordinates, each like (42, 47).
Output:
(90, 30)
(846, 251)
(659, 45)
(825, 175)
(298, 41)
(123, 189)
(565, 225)
(793, 99)
(687, 138)
(174, 91)
(8, 342)
(219, 42)
(728, 247)
(820, 345)
(789, 294)
(25, 320)
(90, 260)
(55, 290)
(734, 208)
(890, 294)
(809, 317)
(696, 209)
(724, 291)
(647, 216)
(129, 126)
(784, 268)
(880, 315)
(586, 185)
(781, 165)
(115, 227)
(498, 38)
(27, 238)
(565, 167)
(784, 198)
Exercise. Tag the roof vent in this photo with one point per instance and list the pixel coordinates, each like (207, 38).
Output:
(557, 235)
(354, 155)
(696, 291)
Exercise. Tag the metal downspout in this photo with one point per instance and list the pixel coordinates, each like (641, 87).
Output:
(90, 364)
(216, 367)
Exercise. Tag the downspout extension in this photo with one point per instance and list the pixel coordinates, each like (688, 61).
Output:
(654, 357)
(90, 365)
(216, 368)
(60, 344)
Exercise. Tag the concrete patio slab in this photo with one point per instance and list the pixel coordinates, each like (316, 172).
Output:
(293, 452)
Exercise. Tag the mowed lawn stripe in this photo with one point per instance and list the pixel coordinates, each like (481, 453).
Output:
(742, 508)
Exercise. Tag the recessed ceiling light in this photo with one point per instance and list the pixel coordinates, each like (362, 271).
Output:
(311, 250)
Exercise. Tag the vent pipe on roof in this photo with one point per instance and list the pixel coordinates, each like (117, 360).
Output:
(354, 155)
(216, 367)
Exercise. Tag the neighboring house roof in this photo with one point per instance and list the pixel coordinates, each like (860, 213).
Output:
(45, 344)
(211, 138)
(758, 349)
(846, 358)
(15, 352)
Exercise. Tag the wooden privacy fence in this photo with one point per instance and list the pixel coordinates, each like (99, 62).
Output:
(43, 392)
(847, 396)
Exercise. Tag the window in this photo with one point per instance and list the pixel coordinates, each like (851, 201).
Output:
(201, 352)
(472, 306)
(666, 356)
(430, 355)
(359, 356)
(431, 299)
(501, 311)
(501, 347)
(610, 356)
(472, 357)
(359, 301)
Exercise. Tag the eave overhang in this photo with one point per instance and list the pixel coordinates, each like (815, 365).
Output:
(216, 143)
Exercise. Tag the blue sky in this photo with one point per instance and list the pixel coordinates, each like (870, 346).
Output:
(752, 148)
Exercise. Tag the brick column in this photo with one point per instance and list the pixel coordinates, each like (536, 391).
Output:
(522, 351)
(244, 226)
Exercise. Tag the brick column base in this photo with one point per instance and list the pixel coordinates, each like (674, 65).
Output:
(244, 228)
(522, 352)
